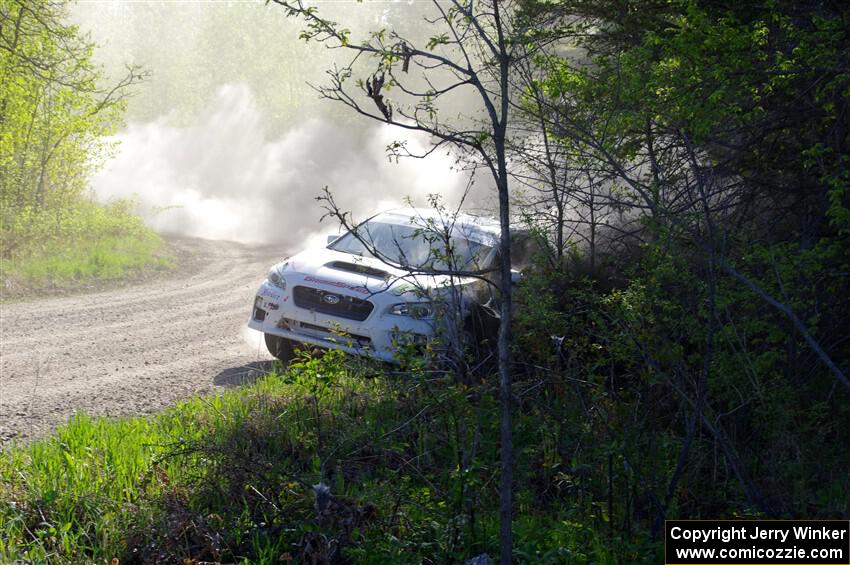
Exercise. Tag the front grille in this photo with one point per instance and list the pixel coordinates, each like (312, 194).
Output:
(346, 307)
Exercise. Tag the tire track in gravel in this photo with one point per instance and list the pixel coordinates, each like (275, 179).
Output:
(132, 350)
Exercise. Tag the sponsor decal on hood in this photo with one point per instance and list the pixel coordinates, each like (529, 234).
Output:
(338, 284)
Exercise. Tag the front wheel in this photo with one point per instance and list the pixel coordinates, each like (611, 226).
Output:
(280, 347)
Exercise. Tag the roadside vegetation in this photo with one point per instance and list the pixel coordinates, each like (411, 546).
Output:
(55, 116)
(686, 168)
(408, 459)
(78, 244)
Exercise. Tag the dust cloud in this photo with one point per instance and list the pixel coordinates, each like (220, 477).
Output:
(225, 139)
(223, 178)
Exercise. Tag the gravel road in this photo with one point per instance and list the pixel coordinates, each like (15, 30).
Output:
(136, 349)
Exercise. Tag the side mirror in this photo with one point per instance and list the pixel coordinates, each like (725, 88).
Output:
(516, 276)
(332, 238)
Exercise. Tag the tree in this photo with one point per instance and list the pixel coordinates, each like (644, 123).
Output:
(473, 48)
(685, 147)
(53, 110)
(692, 108)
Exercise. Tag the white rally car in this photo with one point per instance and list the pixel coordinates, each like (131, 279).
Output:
(399, 277)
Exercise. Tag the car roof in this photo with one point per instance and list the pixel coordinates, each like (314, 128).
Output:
(420, 217)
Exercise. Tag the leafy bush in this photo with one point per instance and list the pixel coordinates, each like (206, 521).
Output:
(409, 464)
(83, 241)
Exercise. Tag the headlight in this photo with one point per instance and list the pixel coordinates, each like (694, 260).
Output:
(413, 309)
(276, 278)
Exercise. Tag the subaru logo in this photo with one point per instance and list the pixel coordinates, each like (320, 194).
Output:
(331, 299)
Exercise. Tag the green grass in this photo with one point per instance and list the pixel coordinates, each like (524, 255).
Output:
(68, 246)
(109, 257)
(411, 463)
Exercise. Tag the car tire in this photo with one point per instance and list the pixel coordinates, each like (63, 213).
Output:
(280, 347)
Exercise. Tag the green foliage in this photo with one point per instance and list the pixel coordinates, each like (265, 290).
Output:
(409, 463)
(762, 94)
(772, 386)
(67, 245)
(630, 365)
(53, 115)
(723, 131)
(54, 119)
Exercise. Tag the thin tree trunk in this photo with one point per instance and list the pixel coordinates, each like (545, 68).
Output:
(505, 388)
(506, 486)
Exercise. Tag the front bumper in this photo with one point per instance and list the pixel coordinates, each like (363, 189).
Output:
(275, 312)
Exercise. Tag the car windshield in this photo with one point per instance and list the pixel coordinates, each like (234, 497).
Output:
(411, 246)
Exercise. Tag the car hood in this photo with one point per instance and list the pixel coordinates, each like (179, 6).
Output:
(361, 274)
